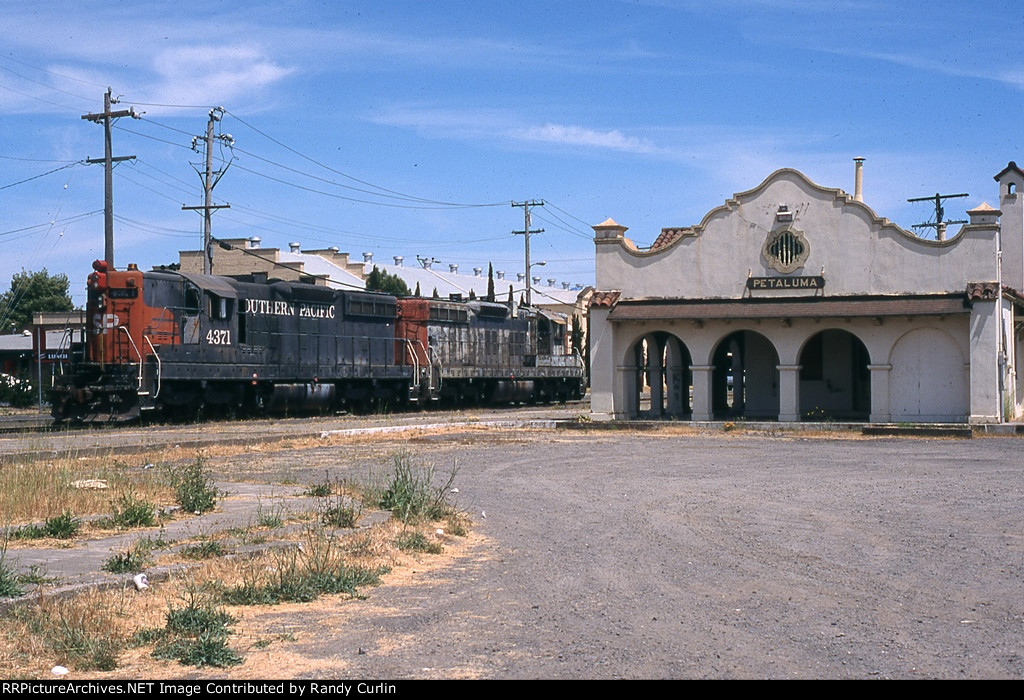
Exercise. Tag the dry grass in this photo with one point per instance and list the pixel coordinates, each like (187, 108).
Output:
(34, 490)
(85, 632)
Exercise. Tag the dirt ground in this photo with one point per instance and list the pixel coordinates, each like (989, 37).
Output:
(672, 554)
(605, 555)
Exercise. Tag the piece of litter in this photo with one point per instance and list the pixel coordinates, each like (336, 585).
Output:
(59, 671)
(455, 490)
(483, 514)
(148, 466)
(89, 483)
(439, 532)
(141, 582)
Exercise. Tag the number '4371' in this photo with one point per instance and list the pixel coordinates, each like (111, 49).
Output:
(218, 337)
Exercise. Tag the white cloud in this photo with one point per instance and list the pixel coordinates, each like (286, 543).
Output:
(572, 135)
(212, 74)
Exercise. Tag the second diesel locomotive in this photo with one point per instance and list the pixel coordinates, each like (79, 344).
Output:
(173, 342)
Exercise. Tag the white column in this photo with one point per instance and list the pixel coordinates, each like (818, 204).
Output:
(789, 392)
(880, 410)
(702, 391)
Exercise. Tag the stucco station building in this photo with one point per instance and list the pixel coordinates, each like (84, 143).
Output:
(794, 301)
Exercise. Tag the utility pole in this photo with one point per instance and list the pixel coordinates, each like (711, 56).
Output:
(939, 225)
(216, 114)
(526, 235)
(108, 161)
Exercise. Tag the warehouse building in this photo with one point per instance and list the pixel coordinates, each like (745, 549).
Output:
(794, 301)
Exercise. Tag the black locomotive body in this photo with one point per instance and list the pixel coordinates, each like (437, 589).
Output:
(168, 341)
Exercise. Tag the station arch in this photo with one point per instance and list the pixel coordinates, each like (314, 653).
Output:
(659, 378)
(928, 380)
(835, 382)
(745, 377)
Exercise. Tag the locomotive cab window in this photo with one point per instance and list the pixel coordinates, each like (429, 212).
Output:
(220, 308)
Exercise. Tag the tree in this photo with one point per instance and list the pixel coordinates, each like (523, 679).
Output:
(417, 292)
(490, 282)
(378, 281)
(32, 292)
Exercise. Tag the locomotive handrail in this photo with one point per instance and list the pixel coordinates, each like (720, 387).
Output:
(415, 359)
(159, 365)
(134, 347)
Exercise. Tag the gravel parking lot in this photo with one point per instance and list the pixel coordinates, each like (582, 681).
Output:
(681, 554)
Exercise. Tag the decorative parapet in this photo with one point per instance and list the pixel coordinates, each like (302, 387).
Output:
(984, 215)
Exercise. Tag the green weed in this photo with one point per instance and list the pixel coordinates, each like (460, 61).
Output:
(133, 559)
(272, 518)
(61, 527)
(301, 575)
(207, 549)
(196, 634)
(417, 542)
(9, 583)
(410, 494)
(194, 489)
(131, 511)
(340, 511)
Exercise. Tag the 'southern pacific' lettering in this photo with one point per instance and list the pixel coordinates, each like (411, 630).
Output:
(265, 307)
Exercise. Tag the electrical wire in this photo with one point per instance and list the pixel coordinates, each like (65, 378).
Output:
(355, 179)
(36, 177)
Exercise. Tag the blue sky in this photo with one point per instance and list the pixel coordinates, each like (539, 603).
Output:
(363, 124)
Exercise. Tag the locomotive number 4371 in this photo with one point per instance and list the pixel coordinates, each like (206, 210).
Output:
(218, 337)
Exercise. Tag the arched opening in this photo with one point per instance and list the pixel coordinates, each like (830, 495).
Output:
(745, 378)
(928, 380)
(660, 381)
(835, 382)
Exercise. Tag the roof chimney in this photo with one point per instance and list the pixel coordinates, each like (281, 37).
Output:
(294, 246)
(453, 268)
(551, 281)
(536, 280)
(367, 257)
(254, 242)
(398, 260)
(334, 249)
(858, 179)
(565, 285)
(478, 272)
(500, 274)
(520, 277)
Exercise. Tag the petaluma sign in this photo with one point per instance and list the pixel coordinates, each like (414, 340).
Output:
(817, 282)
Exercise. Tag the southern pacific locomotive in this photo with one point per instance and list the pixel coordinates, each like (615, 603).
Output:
(177, 343)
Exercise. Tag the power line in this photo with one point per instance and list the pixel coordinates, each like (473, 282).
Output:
(355, 179)
(36, 177)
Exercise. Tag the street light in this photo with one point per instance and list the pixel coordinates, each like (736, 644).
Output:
(529, 281)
